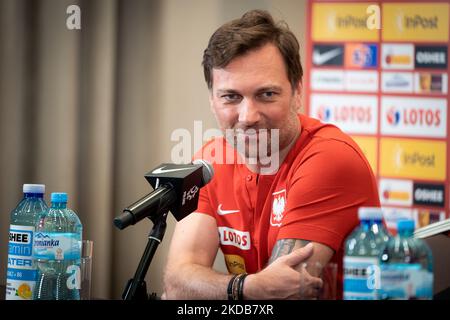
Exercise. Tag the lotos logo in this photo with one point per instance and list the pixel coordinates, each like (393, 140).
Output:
(393, 116)
(233, 237)
(355, 114)
(324, 113)
(414, 117)
(344, 114)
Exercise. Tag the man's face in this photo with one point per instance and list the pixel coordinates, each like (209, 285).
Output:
(252, 93)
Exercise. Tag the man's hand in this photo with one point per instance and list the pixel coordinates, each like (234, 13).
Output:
(284, 278)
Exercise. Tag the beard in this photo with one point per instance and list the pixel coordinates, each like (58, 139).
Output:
(263, 141)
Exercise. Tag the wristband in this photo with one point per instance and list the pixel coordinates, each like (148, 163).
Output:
(241, 286)
(230, 287)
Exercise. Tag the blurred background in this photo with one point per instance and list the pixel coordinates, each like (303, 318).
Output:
(90, 111)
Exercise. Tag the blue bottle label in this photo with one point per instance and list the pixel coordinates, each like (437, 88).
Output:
(21, 271)
(405, 282)
(57, 246)
(361, 278)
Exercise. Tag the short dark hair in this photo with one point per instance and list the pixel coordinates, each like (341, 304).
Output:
(253, 30)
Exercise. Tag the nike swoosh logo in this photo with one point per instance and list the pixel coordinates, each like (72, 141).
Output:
(161, 170)
(321, 58)
(221, 212)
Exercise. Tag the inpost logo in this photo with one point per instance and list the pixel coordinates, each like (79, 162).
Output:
(415, 22)
(411, 158)
(345, 21)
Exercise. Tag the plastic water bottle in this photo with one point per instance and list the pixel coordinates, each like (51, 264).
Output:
(57, 251)
(362, 251)
(21, 271)
(406, 266)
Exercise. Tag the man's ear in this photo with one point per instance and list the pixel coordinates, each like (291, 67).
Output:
(298, 95)
(210, 97)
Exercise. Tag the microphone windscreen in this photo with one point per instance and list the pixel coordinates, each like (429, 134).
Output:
(207, 170)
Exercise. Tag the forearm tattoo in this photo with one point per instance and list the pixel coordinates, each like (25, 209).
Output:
(285, 246)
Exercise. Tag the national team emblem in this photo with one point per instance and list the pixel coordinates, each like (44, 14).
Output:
(278, 207)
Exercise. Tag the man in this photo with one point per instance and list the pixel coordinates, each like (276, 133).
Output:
(272, 225)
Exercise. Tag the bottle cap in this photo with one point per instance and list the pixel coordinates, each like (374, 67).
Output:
(33, 188)
(58, 197)
(407, 224)
(370, 213)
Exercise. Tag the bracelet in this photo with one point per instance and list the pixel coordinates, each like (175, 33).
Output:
(235, 289)
(241, 286)
(230, 287)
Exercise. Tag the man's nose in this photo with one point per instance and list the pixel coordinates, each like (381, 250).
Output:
(249, 113)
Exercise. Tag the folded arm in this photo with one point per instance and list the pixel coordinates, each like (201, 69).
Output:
(189, 272)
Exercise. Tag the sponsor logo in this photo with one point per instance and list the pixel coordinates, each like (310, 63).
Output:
(410, 158)
(397, 56)
(352, 113)
(396, 192)
(429, 194)
(161, 170)
(431, 57)
(361, 81)
(422, 117)
(189, 195)
(222, 212)
(336, 22)
(233, 237)
(415, 22)
(361, 55)
(339, 80)
(397, 82)
(328, 55)
(278, 208)
(368, 146)
(235, 264)
(20, 237)
(426, 82)
(393, 215)
(425, 217)
(332, 80)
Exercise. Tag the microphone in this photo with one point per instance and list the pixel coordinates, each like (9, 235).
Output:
(176, 189)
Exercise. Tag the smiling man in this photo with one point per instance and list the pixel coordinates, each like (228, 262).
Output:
(272, 222)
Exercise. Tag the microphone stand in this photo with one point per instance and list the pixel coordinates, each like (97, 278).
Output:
(136, 288)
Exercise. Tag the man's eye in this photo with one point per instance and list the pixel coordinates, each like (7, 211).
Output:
(231, 97)
(268, 95)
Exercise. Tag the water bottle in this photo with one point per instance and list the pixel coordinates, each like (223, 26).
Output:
(406, 266)
(21, 270)
(57, 252)
(362, 251)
